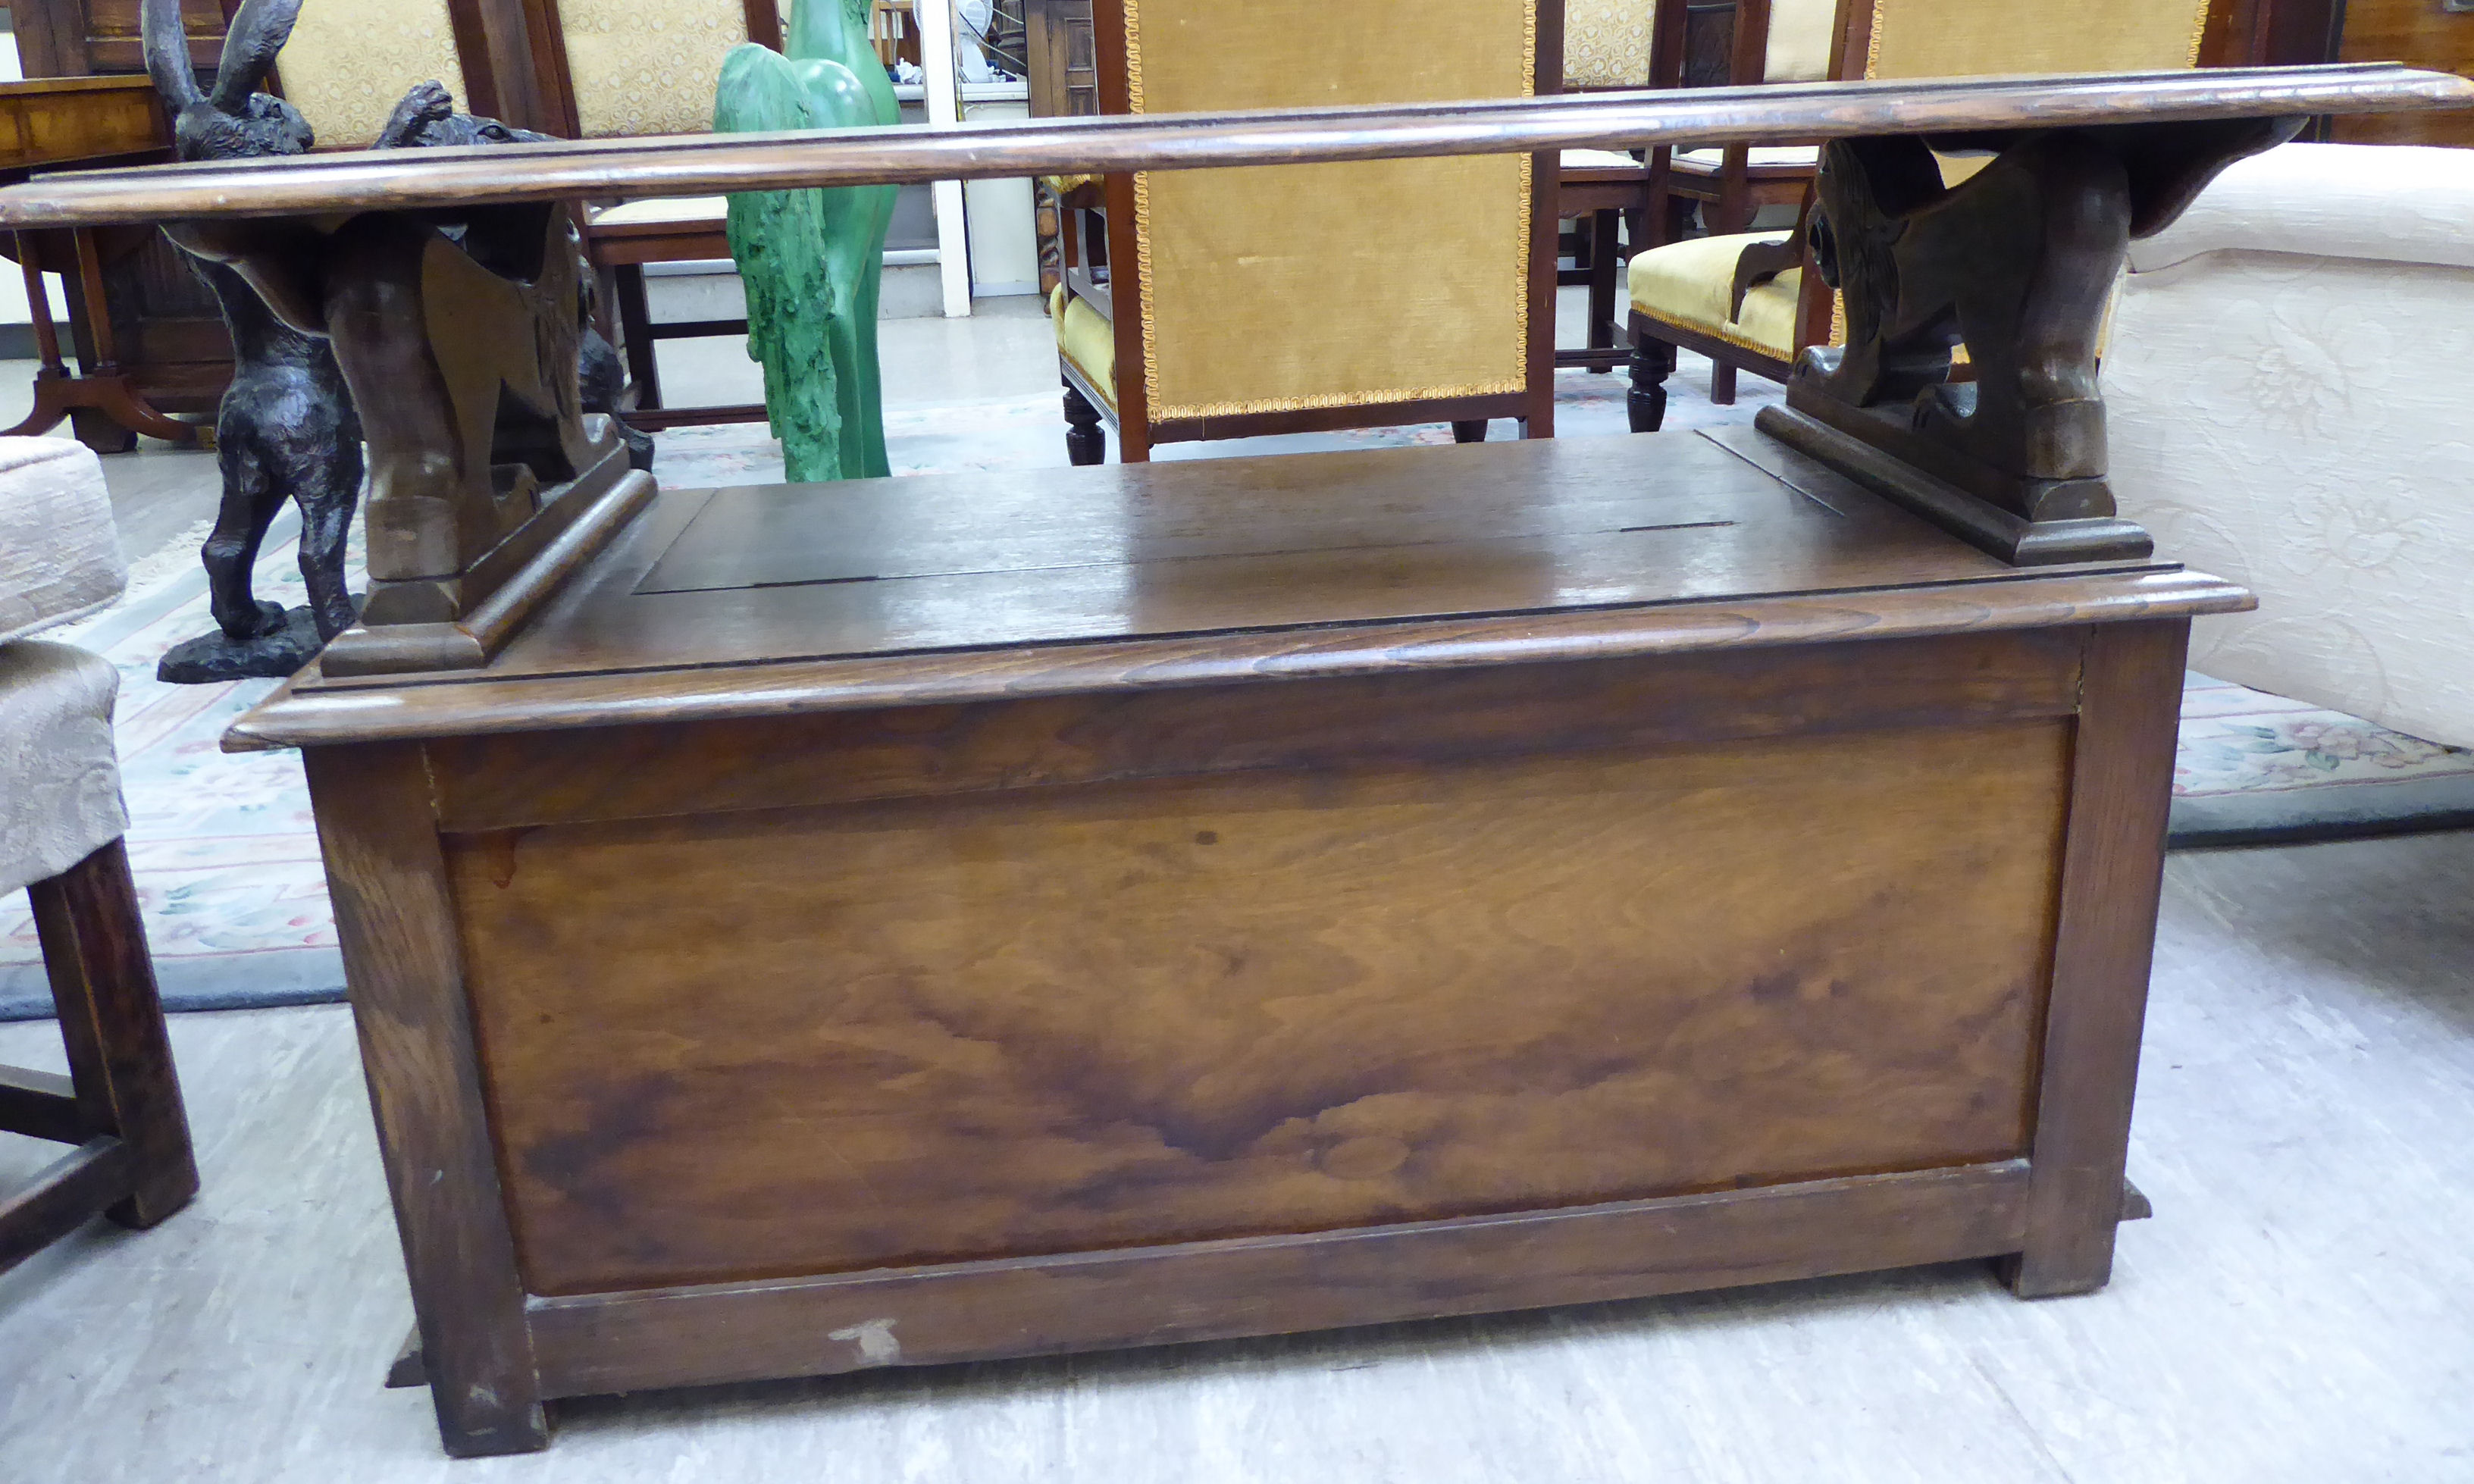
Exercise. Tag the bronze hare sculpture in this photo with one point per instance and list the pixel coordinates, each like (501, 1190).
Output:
(286, 429)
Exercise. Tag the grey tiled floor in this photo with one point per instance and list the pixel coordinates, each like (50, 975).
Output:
(2301, 1309)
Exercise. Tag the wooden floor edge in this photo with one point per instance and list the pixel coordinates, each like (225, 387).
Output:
(596, 1344)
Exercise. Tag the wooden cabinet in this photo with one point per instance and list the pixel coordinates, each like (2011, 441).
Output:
(1064, 63)
(99, 37)
(2436, 33)
(164, 336)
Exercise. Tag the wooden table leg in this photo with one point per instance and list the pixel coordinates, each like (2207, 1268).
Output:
(101, 404)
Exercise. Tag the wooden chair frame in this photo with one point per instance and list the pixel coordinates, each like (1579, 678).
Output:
(1099, 245)
(619, 251)
(1611, 206)
(1729, 196)
(120, 1105)
(2237, 34)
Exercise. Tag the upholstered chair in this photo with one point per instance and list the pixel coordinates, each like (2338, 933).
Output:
(2281, 413)
(622, 69)
(61, 820)
(1776, 41)
(1741, 299)
(1226, 304)
(349, 62)
(1608, 45)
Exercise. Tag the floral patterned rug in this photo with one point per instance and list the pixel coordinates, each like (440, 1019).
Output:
(227, 859)
(2255, 768)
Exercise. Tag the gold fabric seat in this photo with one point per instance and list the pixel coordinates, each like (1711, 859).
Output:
(1691, 283)
(1087, 342)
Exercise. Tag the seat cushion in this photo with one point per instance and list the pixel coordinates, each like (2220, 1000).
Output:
(60, 553)
(1087, 340)
(59, 779)
(1690, 285)
(1805, 157)
(1600, 160)
(668, 212)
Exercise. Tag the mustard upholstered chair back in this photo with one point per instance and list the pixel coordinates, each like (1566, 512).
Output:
(1607, 43)
(634, 68)
(350, 61)
(1284, 288)
(1914, 39)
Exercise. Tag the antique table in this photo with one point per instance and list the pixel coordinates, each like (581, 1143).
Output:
(797, 929)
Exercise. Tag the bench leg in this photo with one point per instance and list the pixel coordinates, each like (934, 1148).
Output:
(120, 1059)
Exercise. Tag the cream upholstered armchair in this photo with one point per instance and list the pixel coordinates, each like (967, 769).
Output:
(1225, 304)
(62, 820)
(2283, 413)
(1752, 311)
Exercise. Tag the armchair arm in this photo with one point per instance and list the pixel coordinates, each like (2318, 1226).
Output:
(2381, 202)
(60, 553)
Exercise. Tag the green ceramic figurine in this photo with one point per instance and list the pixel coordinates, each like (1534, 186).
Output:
(811, 259)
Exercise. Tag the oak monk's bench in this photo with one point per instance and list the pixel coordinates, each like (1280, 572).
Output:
(796, 929)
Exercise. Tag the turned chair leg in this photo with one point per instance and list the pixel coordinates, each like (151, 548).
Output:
(120, 1104)
(1606, 260)
(1722, 384)
(636, 335)
(1084, 443)
(1469, 430)
(1653, 361)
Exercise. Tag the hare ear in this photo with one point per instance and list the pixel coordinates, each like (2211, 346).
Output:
(168, 52)
(257, 33)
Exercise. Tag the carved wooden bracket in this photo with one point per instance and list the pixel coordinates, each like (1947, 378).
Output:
(2018, 263)
(488, 484)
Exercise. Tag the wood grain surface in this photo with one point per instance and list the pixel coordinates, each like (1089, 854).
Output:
(394, 921)
(112, 1020)
(2420, 33)
(1270, 1285)
(701, 165)
(568, 703)
(2121, 786)
(832, 1040)
(968, 588)
(719, 766)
